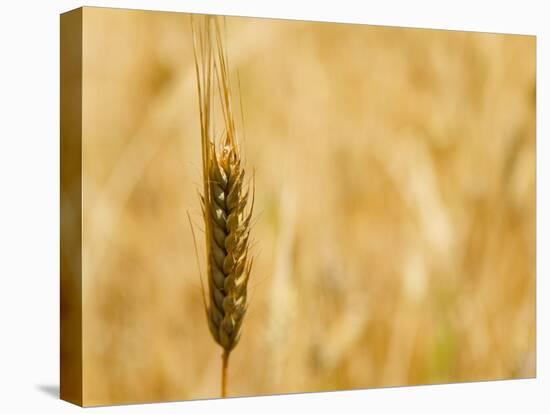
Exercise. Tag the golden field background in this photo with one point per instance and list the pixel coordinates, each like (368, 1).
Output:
(395, 208)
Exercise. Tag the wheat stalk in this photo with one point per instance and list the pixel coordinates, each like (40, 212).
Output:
(225, 197)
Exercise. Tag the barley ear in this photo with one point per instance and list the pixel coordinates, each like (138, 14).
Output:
(225, 197)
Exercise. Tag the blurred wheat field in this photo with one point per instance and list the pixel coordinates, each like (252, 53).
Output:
(394, 235)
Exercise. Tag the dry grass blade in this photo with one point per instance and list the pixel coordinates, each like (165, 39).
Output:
(225, 200)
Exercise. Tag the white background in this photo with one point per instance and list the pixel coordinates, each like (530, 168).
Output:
(29, 205)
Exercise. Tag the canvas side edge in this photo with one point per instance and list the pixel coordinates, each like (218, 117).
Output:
(71, 206)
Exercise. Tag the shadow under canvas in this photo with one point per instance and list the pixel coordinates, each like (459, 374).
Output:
(51, 390)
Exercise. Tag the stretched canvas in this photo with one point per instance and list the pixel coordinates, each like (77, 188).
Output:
(256, 206)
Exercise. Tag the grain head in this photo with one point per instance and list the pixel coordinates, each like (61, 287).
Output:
(225, 199)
